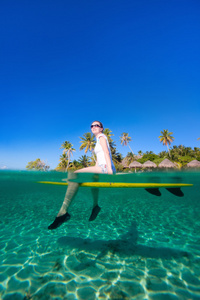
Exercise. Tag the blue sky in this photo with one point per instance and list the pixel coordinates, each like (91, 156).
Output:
(134, 65)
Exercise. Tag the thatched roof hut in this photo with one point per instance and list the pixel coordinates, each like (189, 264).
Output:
(135, 164)
(166, 163)
(194, 164)
(125, 163)
(149, 164)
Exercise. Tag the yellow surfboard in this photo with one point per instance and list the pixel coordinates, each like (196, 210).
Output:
(123, 184)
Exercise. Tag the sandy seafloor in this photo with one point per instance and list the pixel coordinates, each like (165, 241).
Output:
(141, 246)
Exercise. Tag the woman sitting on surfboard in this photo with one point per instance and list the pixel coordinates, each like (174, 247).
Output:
(104, 164)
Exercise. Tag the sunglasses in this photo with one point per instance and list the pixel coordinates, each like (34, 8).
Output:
(95, 125)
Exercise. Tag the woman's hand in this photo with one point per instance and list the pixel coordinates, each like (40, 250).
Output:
(110, 171)
(104, 146)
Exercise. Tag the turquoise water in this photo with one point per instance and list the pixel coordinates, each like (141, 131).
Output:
(141, 246)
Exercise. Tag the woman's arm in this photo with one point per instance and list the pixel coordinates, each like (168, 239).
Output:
(104, 146)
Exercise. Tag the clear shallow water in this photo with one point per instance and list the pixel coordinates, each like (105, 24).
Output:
(140, 246)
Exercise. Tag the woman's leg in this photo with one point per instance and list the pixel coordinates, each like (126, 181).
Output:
(95, 194)
(94, 169)
(63, 215)
(72, 189)
(70, 194)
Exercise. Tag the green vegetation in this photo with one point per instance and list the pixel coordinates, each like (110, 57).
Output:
(64, 162)
(37, 165)
(108, 133)
(125, 139)
(166, 138)
(84, 161)
(62, 166)
(87, 142)
(180, 155)
(116, 156)
(130, 157)
(68, 150)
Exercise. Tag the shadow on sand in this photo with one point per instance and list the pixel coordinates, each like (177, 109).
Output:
(126, 245)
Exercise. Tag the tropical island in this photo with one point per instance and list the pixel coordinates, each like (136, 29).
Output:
(175, 157)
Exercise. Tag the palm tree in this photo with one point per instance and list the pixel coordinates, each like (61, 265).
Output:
(62, 166)
(166, 138)
(93, 159)
(140, 152)
(88, 142)
(130, 157)
(163, 154)
(68, 148)
(125, 139)
(116, 157)
(76, 165)
(84, 160)
(108, 133)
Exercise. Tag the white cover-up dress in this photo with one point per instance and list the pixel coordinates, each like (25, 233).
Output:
(101, 157)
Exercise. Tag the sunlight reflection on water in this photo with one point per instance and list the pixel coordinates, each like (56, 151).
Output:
(140, 246)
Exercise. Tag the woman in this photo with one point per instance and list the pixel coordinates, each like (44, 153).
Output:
(104, 164)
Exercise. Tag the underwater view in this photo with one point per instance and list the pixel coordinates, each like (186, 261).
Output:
(142, 245)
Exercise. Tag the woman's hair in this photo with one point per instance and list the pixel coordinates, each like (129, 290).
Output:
(99, 123)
